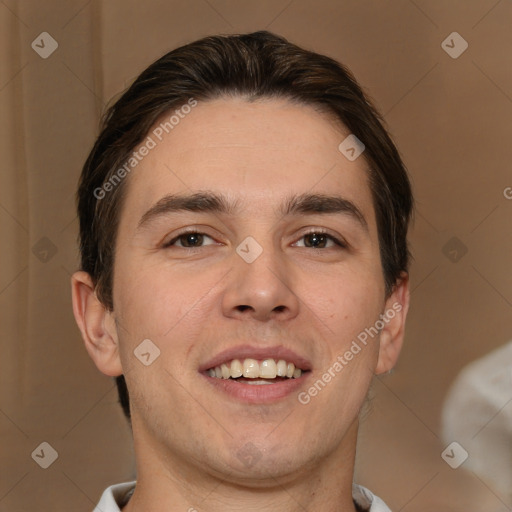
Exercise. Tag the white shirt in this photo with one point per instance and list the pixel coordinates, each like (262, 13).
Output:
(117, 496)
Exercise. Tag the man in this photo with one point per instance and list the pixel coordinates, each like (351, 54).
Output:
(243, 221)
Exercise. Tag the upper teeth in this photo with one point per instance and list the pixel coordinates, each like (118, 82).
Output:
(252, 369)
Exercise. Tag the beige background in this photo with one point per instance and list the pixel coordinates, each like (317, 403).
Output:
(451, 121)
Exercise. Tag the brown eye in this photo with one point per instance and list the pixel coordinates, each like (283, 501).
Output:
(319, 240)
(315, 240)
(189, 240)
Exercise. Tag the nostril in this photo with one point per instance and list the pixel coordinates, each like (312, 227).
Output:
(243, 307)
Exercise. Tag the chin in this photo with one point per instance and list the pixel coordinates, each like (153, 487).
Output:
(255, 462)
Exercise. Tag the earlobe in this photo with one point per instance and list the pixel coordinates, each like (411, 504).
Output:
(96, 324)
(392, 334)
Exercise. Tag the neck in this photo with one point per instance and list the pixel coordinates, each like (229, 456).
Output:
(174, 483)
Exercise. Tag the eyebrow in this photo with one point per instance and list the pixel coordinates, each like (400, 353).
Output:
(212, 202)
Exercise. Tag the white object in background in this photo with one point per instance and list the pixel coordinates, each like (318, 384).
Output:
(477, 414)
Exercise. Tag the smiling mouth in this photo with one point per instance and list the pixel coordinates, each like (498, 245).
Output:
(252, 371)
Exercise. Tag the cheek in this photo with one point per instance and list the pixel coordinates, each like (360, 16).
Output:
(345, 302)
(157, 301)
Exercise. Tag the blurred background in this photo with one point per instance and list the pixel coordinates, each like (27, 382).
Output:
(441, 74)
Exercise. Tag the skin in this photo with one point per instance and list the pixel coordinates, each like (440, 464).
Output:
(188, 302)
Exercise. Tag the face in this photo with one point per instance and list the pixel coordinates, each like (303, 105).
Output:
(246, 235)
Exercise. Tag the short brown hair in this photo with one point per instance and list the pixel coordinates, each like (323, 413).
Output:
(253, 66)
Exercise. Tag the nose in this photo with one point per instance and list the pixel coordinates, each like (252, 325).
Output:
(261, 290)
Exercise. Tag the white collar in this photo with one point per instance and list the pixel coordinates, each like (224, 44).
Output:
(117, 496)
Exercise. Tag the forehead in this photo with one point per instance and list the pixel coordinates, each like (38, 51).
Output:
(254, 152)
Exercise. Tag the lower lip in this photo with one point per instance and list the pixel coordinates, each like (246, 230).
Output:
(257, 393)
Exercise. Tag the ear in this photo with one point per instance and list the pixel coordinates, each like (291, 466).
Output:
(96, 324)
(392, 334)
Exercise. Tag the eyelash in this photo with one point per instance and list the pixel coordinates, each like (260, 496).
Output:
(340, 243)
